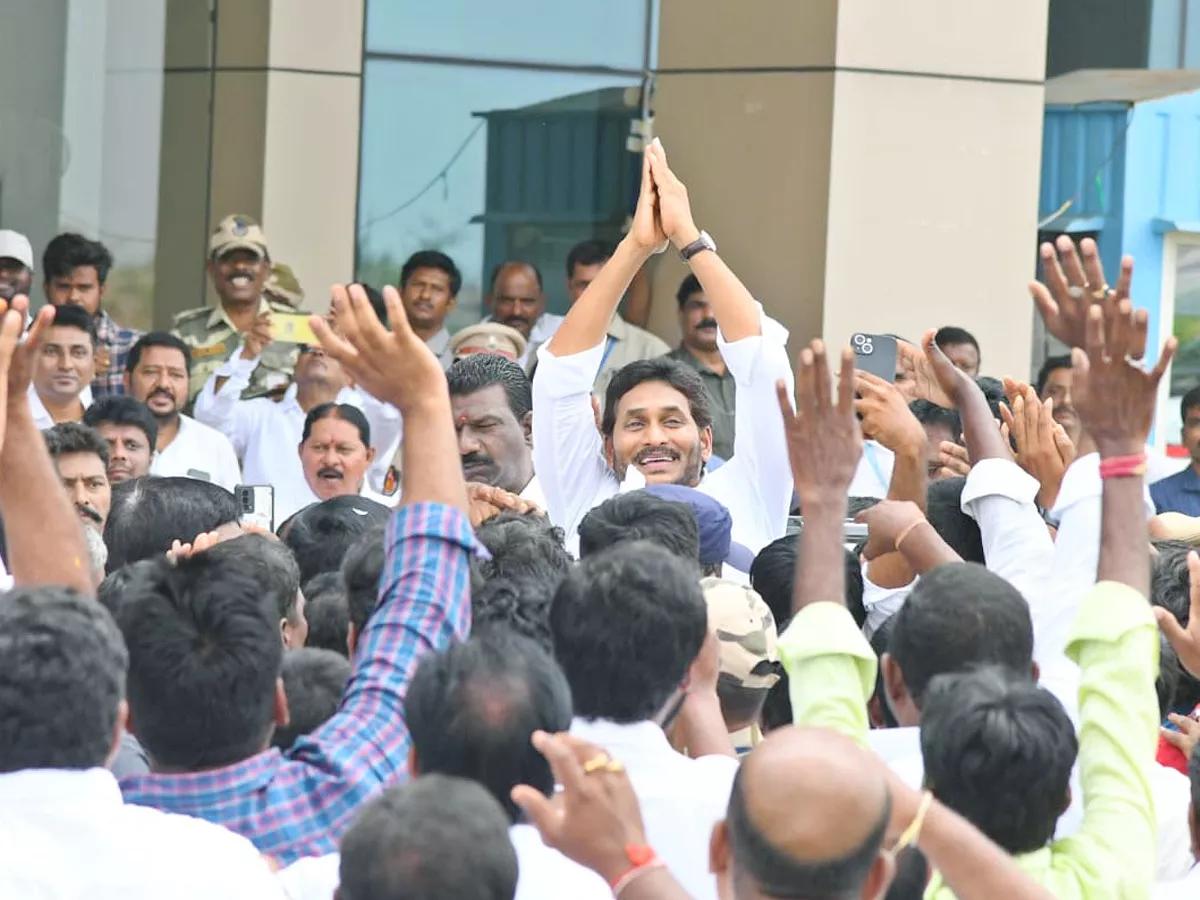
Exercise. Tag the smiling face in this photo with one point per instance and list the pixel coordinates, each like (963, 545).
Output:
(129, 451)
(160, 380)
(65, 365)
(654, 431)
(334, 458)
(239, 275)
(495, 447)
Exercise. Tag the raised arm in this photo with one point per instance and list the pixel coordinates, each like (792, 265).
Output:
(219, 404)
(830, 665)
(1114, 639)
(45, 543)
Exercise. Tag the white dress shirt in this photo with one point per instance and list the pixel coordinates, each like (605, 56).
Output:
(681, 798)
(1181, 889)
(542, 873)
(199, 452)
(67, 835)
(543, 329)
(874, 473)
(533, 493)
(41, 417)
(755, 485)
(266, 435)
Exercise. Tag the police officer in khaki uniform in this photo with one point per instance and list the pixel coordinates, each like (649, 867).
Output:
(239, 264)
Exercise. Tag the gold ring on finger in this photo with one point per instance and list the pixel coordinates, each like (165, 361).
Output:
(597, 763)
(1102, 293)
(615, 766)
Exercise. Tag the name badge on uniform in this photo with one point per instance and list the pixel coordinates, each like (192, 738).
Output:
(208, 351)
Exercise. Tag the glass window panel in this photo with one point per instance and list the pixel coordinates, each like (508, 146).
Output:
(518, 183)
(1185, 369)
(610, 34)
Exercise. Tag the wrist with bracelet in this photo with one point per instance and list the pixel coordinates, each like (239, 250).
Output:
(1129, 466)
(642, 859)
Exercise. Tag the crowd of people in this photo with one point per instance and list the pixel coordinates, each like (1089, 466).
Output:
(547, 609)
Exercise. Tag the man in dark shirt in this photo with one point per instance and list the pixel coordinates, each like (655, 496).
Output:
(1181, 492)
(699, 350)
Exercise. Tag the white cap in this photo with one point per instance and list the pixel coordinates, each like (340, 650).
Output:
(14, 245)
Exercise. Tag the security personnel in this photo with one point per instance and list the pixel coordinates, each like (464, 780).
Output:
(239, 264)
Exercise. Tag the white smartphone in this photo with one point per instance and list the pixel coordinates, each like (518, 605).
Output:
(257, 503)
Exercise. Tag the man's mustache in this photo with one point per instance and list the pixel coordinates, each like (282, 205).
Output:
(161, 392)
(476, 459)
(516, 320)
(707, 323)
(90, 513)
(327, 472)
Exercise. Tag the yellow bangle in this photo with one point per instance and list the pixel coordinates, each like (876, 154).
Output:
(913, 831)
(905, 533)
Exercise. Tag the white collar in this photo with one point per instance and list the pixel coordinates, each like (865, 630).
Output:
(643, 738)
(59, 787)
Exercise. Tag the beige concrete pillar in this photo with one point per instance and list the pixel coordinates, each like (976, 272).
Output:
(261, 116)
(864, 165)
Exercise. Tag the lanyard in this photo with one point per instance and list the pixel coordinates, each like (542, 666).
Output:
(869, 452)
(608, 348)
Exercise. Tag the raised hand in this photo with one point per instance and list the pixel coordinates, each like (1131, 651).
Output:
(1183, 740)
(885, 415)
(183, 550)
(20, 369)
(11, 320)
(1043, 448)
(646, 230)
(916, 379)
(1115, 399)
(1074, 284)
(595, 817)
(257, 338)
(393, 366)
(488, 501)
(954, 460)
(824, 438)
(888, 523)
(675, 210)
(1185, 641)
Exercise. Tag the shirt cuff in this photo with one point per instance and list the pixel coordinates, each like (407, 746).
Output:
(432, 520)
(236, 365)
(998, 478)
(1108, 612)
(566, 376)
(739, 355)
(1082, 482)
(827, 629)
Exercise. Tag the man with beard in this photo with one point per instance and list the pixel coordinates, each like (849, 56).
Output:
(16, 264)
(131, 432)
(429, 285)
(156, 374)
(265, 434)
(60, 390)
(492, 403)
(657, 425)
(239, 265)
(698, 349)
(81, 457)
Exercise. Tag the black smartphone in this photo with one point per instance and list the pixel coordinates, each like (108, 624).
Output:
(875, 353)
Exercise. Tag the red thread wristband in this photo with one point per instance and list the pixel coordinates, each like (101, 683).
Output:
(1123, 466)
(640, 857)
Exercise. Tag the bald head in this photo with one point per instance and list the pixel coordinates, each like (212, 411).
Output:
(517, 298)
(807, 818)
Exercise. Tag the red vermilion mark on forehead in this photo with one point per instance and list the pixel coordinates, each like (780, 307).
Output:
(462, 420)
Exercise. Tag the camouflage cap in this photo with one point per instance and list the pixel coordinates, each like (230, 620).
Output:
(237, 232)
(488, 337)
(282, 285)
(746, 631)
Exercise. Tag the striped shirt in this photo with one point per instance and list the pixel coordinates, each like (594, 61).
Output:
(299, 803)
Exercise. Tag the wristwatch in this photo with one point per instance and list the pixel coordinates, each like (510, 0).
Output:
(699, 245)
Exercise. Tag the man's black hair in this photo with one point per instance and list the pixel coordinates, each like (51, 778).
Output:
(761, 866)
(362, 567)
(62, 679)
(928, 413)
(640, 516)
(120, 409)
(115, 587)
(949, 335)
(71, 316)
(1169, 588)
(678, 375)
(278, 572)
(157, 339)
(148, 514)
(327, 612)
(627, 625)
(521, 545)
(314, 681)
(1052, 364)
(473, 373)
(1190, 401)
(993, 393)
(432, 259)
(520, 605)
(321, 533)
(69, 251)
(434, 838)
(943, 509)
(688, 287)
(957, 616)
(343, 411)
(879, 643)
(592, 252)
(66, 438)
(912, 876)
(204, 655)
(473, 709)
(999, 750)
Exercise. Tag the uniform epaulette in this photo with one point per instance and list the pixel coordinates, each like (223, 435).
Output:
(189, 314)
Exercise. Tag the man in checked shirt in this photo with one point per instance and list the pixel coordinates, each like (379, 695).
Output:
(204, 687)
